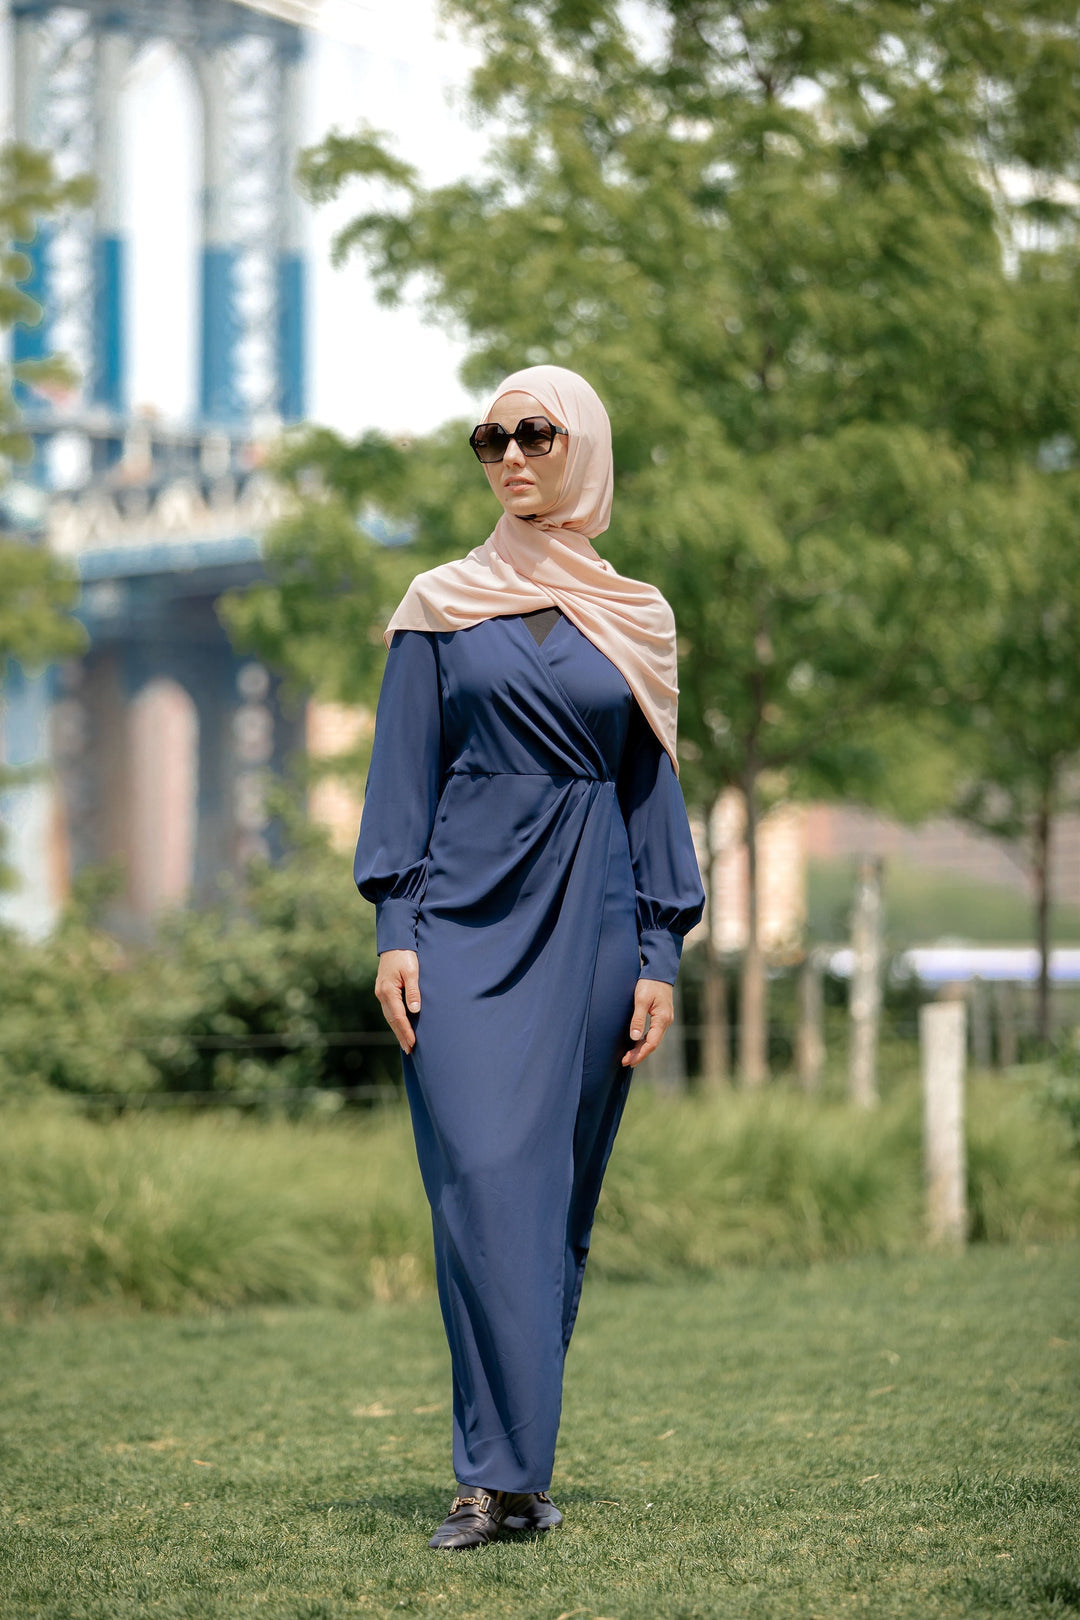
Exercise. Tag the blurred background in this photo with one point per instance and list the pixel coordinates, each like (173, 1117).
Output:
(262, 263)
(196, 298)
(260, 266)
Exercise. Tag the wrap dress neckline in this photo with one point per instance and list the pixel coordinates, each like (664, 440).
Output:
(541, 622)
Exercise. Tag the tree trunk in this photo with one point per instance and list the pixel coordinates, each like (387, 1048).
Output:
(753, 1014)
(1042, 916)
(715, 1058)
(810, 1037)
(865, 995)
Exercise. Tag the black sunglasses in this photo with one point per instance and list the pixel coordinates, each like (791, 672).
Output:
(534, 436)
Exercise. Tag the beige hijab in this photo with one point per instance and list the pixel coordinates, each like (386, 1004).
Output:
(533, 563)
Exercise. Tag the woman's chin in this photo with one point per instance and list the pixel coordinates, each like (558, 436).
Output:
(523, 508)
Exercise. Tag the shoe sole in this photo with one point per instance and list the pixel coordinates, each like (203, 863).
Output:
(519, 1527)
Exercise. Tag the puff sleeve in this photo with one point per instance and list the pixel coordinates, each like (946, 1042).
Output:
(670, 895)
(402, 789)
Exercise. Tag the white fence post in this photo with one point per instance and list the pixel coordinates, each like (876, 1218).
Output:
(943, 1044)
(864, 996)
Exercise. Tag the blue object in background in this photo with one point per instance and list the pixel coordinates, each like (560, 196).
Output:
(220, 400)
(291, 280)
(109, 375)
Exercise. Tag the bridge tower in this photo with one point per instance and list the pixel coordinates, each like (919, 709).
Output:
(160, 742)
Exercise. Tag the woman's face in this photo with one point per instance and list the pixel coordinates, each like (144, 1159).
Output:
(527, 486)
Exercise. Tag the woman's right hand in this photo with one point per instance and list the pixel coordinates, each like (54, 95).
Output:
(397, 984)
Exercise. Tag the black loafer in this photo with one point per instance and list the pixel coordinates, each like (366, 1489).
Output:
(479, 1518)
(541, 1514)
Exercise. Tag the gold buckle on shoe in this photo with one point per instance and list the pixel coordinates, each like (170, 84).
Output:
(483, 1502)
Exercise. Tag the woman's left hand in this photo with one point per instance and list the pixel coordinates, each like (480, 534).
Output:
(655, 1000)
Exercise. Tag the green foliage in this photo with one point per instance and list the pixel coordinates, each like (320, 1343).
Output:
(778, 1176)
(775, 241)
(289, 966)
(1014, 692)
(792, 1179)
(36, 591)
(1015, 1194)
(1020, 688)
(1062, 1093)
(36, 588)
(29, 192)
(797, 311)
(332, 585)
(178, 1213)
(170, 1212)
(269, 991)
(67, 1017)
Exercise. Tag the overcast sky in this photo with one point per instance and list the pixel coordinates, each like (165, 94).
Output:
(387, 61)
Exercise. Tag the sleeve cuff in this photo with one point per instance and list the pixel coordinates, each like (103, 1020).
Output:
(395, 925)
(661, 951)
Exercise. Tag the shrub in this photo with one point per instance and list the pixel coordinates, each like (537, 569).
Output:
(174, 1211)
(169, 1212)
(255, 994)
(1061, 1092)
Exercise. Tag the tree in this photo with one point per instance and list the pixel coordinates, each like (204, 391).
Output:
(1012, 692)
(1016, 695)
(769, 237)
(36, 588)
(332, 585)
(269, 991)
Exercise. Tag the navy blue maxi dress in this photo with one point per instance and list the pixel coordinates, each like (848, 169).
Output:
(524, 832)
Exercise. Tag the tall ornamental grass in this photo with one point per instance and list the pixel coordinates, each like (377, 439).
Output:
(172, 1212)
(166, 1212)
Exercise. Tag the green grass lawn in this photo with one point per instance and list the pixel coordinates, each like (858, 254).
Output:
(861, 1437)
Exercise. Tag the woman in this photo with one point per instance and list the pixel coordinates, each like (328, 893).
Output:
(525, 842)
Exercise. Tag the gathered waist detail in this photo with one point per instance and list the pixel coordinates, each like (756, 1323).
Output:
(551, 776)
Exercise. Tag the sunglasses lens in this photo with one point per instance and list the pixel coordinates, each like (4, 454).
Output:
(489, 441)
(534, 436)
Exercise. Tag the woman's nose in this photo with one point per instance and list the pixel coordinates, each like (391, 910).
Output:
(512, 453)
